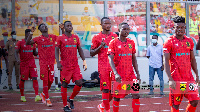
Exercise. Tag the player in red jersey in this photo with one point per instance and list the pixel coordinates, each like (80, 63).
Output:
(179, 59)
(28, 68)
(122, 59)
(99, 46)
(68, 44)
(46, 51)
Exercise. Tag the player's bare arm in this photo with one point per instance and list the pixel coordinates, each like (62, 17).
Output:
(112, 65)
(172, 83)
(198, 43)
(135, 65)
(29, 41)
(194, 65)
(17, 56)
(35, 53)
(61, 25)
(59, 66)
(80, 51)
(93, 52)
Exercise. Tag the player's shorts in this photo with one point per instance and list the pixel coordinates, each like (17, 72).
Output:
(130, 77)
(67, 74)
(47, 72)
(55, 70)
(105, 79)
(176, 96)
(28, 71)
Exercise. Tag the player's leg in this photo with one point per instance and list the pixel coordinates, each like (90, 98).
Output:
(116, 104)
(44, 77)
(175, 100)
(193, 99)
(50, 75)
(151, 78)
(160, 76)
(136, 102)
(36, 88)
(64, 96)
(24, 76)
(21, 86)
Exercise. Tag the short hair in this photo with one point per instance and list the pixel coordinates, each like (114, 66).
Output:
(104, 18)
(179, 19)
(13, 32)
(155, 36)
(40, 25)
(67, 22)
(123, 23)
(27, 30)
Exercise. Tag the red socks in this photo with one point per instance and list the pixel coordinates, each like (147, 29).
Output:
(75, 91)
(105, 98)
(35, 86)
(190, 108)
(136, 105)
(21, 86)
(64, 95)
(115, 106)
(45, 88)
(174, 110)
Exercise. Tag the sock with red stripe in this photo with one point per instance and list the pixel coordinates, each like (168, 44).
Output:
(115, 106)
(75, 92)
(174, 110)
(105, 98)
(35, 86)
(45, 88)
(136, 105)
(64, 95)
(21, 86)
(190, 108)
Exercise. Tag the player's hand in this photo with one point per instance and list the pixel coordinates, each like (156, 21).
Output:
(103, 43)
(84, 65)
(172, 84)
(33, 29)
(59, 66)
(118, 78)
(162, 67)
(61, 25)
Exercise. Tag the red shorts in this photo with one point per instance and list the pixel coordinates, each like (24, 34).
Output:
(28, 71)
(67, 74)
(47, 72)
(105, 79)
(176, 96)
(124, 78)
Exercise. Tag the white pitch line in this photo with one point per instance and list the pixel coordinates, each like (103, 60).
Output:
(28, 110)
(166, 110)
(18, 104)
(89, 107)
(157, 103)
(47, 109)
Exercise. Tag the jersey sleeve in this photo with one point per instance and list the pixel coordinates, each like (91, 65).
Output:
(95, 43)
(18, 45)
(58, 42)
(167, 46)
(111, 48)
(133, 48)
(36, 39)
(192, 44)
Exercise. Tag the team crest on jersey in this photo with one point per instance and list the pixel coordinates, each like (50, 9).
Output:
(178, 99)
(31, 46)
(116, 92)
(75, 40)
(130, 46)
(188, 44)
(104, 83)
(50, 39)
(23, 76)
(64, 79)
(42, 75)
(182, 86)
(113, 37)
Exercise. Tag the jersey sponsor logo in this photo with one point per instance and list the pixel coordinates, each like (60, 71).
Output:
(178, 99)
(47, 45)
(180, 54)
(128, 54)
(70, 46)
(193, 87)
(188, 44)
(182, 86)
(116, 92)
(27, 50)
(75, 40)
(105, 46)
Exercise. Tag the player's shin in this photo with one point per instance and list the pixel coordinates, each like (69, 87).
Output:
(35, 86)
(115, 106)
(174, 110)
(64, 95)
(136, 105)
(105, 98)
(45, 88)
(21, 86)
(190, 108)
(76, 90)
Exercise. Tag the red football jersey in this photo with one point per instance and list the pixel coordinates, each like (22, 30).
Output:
(103, 61)
(46, 49)
(123, 52)
(180, 64)
(68, 48)
(25, 51)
